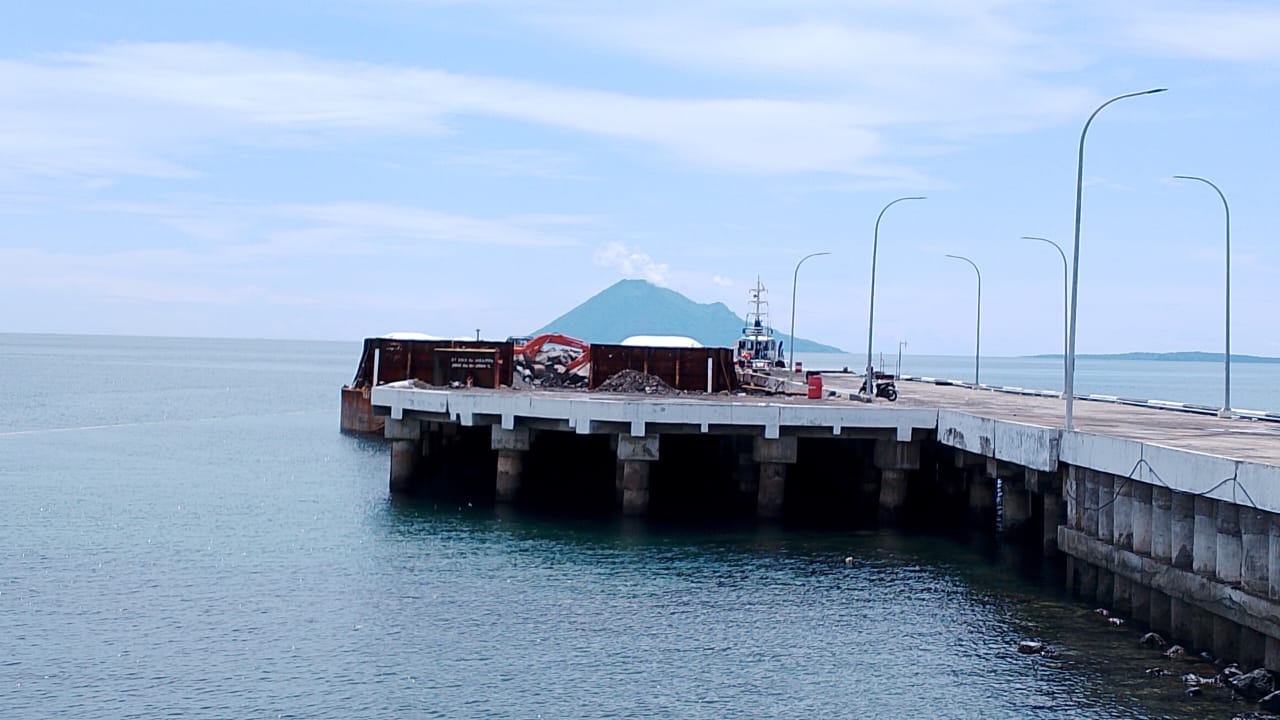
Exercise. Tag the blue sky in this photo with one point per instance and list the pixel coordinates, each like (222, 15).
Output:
(333, 169)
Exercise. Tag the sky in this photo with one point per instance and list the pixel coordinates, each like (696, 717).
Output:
(335, 169)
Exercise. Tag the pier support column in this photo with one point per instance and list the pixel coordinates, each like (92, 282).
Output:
(1140, 509)
(1204, 556)
(1272, 661)
(982, 498)
(1106, 588)
(1089, 512)
(1227, 522)
(894, 459)
(636, 455)
(1161, 532)
(1055, 514)
(406, 449)
(1182, 518)
(1073, 492)
(1202, 629)
(1088, 580)
(1140, 603)
(511, 445)
(1182, 622)
(1122, 596)
(1273, 557)
(1256, 548)
(1160, 617)
(1015, 505)
(1226, 639)
(1253, 649)
(1106, 507)
(773, 456)
(1122, 514)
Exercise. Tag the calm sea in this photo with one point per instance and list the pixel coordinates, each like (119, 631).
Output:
(184, 533)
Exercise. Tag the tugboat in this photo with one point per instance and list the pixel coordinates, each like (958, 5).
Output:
(757, 349)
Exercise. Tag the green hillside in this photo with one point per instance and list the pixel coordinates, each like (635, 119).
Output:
(636, 307)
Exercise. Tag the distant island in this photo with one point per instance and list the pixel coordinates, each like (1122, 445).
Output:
(637, 307)
(1190, 356)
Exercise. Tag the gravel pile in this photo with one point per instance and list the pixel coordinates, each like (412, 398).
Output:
(633, 381)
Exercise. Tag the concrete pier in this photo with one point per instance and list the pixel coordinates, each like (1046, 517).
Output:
(1185, 540)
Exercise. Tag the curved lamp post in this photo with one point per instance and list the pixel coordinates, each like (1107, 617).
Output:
(1069, 390)
(869, 386)
(1064, 303)
(977, 340)
(794, 277)
(1226, 390)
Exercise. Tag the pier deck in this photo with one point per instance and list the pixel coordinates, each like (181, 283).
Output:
(1239, 439)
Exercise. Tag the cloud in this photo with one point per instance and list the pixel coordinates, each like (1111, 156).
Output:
(828, 91)
(722, 281)
(1229, 32)
(632, 263)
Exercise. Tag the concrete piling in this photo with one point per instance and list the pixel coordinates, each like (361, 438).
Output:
(1252, 651)
(1140, 509)
(1054, 515)
(1273, 556)
(1106, 507)
(1226, 638)
(1160, 613)
(773, 456)
(1161, 531)
(1204, 556)
(982, 499)
(636, 453)
(1182, 518)
(406, 450)
(1255, 544)
(1122, 514)
(1015, 506)
(1089, 513)
(894, 459)
(1229, 552)
(511, 446)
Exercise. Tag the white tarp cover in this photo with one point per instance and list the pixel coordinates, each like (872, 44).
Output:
(674, 341)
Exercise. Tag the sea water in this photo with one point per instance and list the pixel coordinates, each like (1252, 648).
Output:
(185, 533)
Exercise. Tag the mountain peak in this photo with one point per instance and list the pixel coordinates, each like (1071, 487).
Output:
(638, 307)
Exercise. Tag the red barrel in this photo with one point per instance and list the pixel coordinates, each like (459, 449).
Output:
(815, 387)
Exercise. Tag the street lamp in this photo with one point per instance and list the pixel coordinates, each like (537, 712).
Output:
(1226, 392)
(977, 341)
(870, 386)
(1064, 303)
(1069, 390)
(794, 277)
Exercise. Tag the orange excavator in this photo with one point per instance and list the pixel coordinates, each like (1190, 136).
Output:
(530, 349)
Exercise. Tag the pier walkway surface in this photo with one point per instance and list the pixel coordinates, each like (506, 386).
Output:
(1249, 440)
